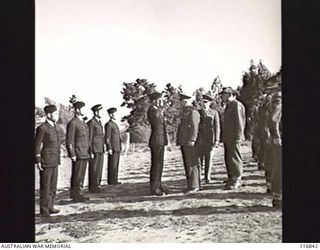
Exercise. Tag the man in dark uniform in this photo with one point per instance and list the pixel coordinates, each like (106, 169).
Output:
(47, 150)
(209, 135)
(158, 139)
(96, 150)
(78, 150)
(232, 136)
(275, 145)
(113, 142)
(186, 138)
(263, 133)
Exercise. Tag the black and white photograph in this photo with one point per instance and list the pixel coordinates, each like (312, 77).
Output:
(158, 121)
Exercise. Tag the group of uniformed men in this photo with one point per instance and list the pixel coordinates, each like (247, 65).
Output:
(198, 133)
(267, 144)
(85, 144)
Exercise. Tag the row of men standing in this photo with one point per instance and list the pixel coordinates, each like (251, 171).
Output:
(85, 144)
(267, 144)
(198, 133)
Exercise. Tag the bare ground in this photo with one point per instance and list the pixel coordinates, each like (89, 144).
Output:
(127, 213)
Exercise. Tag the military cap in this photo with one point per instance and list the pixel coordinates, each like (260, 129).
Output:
(112, 110)
(227, 90)
(96, 107)
(50, 108)
(78, 105)
(154, 96)
(183, 96)
(207, 98)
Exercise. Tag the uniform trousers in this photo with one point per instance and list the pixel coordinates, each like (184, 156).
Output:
(268, 162)
(233, 160)
(276, 175)
(255, 146)
(48, 188)
(157, 155)
(190, 160)
(262, 150)
(77, 177)
(205, 159)
(113, 167)
(95, 170)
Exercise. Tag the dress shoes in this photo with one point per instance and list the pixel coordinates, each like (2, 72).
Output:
(191, 191)
(80, 199)
(54, 211)
(207, 181)
(45, 215)
(233, 185)
(161, 194)
(95, 190)
(115, 183)
(227, 181)
(277, 203)
(158, 193)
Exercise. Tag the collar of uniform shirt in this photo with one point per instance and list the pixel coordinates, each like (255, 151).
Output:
(98, 119)
(50, 122)
(80, 117)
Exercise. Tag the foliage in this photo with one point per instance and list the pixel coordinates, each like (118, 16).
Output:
(213, 92)
(253, 90)
(172, 109)
(135, 95)
(39, 113)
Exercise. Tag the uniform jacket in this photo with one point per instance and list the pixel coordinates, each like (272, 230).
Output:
(274, 123)
(189, 126)
(158, 135)
(209, 128)
(78, 139)
(234, 122)
(262, 125)
(48, 137)
(96, 136)
(112, 136)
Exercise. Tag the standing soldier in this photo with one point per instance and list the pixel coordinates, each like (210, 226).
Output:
(158, 139)
(96, 150)
(262, 132)
(232, 135)
(78, 150)
(47, 150)
(209, 136)
(113, 142)
(274, 142)
(186, 138)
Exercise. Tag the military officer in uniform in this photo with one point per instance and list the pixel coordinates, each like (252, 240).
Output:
(158, 139)
(78, 150)
(275, 145)
(208, 137)
(263, 133)
(113, 142)
(186, 138)
(96, 150)
(47, 150)
(232, 136)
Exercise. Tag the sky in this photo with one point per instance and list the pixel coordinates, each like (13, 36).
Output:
(90, 47)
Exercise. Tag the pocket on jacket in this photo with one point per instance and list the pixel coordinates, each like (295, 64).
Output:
(49, 157)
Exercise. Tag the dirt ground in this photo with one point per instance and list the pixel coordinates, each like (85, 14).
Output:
(127, 213)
